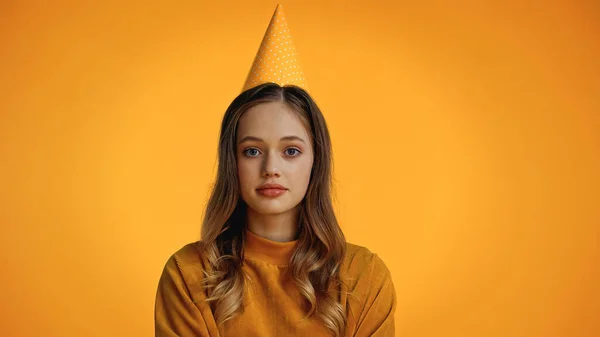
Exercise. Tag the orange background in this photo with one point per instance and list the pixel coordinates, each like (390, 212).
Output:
(466, 138)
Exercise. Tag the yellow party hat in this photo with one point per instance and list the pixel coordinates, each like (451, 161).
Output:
(276, 60)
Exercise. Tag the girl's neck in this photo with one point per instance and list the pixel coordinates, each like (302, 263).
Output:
(275, 227)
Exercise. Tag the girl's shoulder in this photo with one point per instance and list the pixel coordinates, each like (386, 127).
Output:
(361, 264)
(189, 254)
(185, 270)
(360, 255)
(188, 263)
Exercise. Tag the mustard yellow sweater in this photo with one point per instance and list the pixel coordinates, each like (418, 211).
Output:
(274, 306)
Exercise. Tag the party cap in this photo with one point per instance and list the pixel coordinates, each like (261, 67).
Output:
(276, 60)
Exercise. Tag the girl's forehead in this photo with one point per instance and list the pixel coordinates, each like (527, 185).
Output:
(274, 119)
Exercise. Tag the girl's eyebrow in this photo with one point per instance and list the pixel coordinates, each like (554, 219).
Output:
(256, 139)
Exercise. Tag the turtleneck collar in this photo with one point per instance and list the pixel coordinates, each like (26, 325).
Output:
(273, 252)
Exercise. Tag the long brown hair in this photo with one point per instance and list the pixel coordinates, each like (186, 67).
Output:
(314, 266)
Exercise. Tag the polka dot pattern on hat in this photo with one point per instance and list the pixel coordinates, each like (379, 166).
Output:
(276, 60)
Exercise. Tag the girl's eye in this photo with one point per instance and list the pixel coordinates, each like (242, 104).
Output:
(294, 150)
(251, 152)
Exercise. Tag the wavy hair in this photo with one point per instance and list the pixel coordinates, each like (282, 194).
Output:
(314, 266)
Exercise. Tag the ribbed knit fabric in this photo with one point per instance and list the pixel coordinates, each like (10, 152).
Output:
(273, 306)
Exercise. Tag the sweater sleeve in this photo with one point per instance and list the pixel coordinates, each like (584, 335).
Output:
(175, 313)
(377, 315)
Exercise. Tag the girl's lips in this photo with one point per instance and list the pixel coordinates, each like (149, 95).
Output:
(271, 185)
(271, 192)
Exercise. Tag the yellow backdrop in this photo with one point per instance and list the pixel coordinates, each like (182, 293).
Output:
(466, 138)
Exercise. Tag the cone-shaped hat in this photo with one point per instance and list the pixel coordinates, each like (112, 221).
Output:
(276, 60)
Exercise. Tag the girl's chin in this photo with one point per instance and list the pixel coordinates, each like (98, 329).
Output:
(270, 207)
(270, 210)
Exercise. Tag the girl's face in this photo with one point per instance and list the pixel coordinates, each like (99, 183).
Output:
(273, 147)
